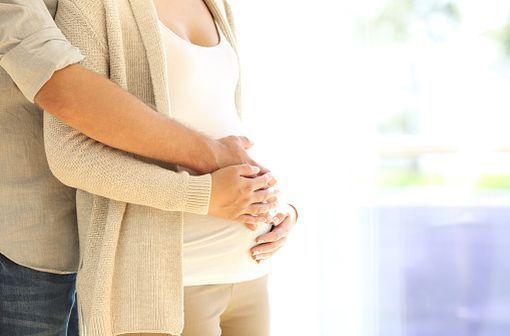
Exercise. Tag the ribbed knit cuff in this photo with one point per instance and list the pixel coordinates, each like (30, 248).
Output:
(198, 194)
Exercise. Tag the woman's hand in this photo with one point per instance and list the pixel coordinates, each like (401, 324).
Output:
(272, 241)
(239, 193)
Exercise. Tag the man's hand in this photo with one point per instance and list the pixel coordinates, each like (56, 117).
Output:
(241, 194)
(228, 151)
(272, 241)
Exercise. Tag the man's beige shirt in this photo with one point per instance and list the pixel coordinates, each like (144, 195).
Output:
(37, 213)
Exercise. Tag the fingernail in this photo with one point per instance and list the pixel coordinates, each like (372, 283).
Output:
(258, 258)
(260, 241)
(256, 253)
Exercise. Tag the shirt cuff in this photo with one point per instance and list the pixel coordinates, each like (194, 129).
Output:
(34, 60)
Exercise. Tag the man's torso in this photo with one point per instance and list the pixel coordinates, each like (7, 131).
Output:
(37, 213)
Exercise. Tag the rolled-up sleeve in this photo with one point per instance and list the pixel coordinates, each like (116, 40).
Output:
(32, 48)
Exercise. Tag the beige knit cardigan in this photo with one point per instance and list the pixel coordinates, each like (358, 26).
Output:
(129, 209)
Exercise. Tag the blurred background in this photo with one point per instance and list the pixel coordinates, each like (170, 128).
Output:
(388, 122)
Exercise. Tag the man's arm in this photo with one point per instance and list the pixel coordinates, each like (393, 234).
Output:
(42, 63)
(106, 113)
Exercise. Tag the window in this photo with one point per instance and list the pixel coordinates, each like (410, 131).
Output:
(389, 119)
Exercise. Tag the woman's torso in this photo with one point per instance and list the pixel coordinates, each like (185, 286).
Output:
(202, 82)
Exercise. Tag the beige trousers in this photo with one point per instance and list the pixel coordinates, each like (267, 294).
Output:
(239, 309)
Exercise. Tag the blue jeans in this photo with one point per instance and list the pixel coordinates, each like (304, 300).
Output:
(36, 303)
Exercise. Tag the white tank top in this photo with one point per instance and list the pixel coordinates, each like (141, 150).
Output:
(201, 85)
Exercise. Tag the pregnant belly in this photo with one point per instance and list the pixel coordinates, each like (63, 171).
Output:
(218, 250)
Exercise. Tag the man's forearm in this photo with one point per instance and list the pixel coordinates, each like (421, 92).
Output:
(105, 112)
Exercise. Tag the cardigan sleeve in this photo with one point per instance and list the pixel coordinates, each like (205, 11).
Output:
(83, 163)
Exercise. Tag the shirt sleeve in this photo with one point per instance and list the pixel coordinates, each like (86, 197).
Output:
(32, 48)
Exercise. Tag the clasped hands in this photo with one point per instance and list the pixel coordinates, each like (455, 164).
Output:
(247, 193)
